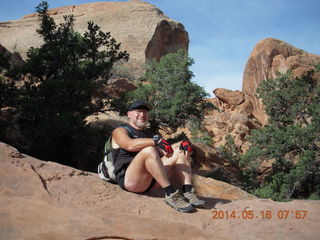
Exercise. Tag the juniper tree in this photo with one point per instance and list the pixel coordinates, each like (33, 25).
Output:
(167, 86)
(293, 107)
(64, 72)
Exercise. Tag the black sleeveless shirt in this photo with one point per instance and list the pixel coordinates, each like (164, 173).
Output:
(123, 157)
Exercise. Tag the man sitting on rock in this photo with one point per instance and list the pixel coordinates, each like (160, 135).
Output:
(144, 159)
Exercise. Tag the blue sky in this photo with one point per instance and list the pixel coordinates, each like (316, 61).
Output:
(222, 32)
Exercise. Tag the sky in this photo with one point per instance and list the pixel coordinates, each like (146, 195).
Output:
(222, 33)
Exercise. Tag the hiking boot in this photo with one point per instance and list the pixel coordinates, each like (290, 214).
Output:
(193, 198)
(177, 201)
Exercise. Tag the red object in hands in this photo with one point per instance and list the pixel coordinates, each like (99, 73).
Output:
(186, 146)
(165, 146)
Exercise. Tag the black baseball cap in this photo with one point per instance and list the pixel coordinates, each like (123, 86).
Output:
(139, 105)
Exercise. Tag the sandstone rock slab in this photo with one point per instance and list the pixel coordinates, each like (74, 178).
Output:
(46, 200)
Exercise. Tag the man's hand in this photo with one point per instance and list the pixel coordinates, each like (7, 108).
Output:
(186, 147)
(165, 146)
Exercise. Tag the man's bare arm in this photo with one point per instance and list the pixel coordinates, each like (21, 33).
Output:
(122, 140)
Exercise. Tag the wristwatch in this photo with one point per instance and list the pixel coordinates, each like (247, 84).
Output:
(156, 139)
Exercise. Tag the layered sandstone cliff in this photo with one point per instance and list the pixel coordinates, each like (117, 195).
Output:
(141, 28)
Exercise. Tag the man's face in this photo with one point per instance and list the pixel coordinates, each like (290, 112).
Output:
(139, 118)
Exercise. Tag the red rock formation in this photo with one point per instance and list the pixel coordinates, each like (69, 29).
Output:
(229, 96)
(14, 59)
(168, 37)
(268, 57)
(142, 29)
(234, 117)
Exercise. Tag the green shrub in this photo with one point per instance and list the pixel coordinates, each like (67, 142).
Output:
(230, 152)
(293, 107)
(199, 134)
(167, 86)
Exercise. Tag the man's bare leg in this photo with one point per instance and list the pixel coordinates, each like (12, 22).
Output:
(146, 165)
(180, 164)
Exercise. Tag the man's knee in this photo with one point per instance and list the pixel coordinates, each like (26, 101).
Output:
(176, 146)
(181, 157)
(150, 151)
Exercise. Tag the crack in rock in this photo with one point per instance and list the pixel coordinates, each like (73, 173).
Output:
(43, 181)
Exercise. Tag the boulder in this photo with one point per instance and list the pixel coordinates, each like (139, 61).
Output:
(229, 96)
(268, 57)
(141, 28)
(246, 108)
